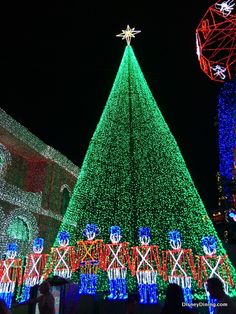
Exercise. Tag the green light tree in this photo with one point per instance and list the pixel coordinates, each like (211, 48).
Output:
(134, 174)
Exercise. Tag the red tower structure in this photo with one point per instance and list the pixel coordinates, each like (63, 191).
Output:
(216, 41)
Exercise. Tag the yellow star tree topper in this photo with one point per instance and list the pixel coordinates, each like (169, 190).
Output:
(128, 33)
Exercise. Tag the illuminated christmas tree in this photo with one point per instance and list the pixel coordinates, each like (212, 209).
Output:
(133, 173)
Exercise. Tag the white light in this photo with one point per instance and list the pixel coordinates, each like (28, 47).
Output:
(225, 7)
(219, 71)
(198, 51)
(128, 33)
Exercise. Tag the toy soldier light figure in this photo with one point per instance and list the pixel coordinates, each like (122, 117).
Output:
(63, 262)
(34, 267)
(89, 259)
(177, 264)
(10, 274)
(116, 260)
(145, 264)
(213, 265)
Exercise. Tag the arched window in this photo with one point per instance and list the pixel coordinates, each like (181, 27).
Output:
(18, 229)
(65, 200)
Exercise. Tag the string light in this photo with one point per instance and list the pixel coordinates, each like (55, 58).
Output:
(226, 133)
(5, 159)
(39, 146)
(133, 174)
(20, 189)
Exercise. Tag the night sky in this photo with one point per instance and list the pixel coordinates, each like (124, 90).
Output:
(59, 60)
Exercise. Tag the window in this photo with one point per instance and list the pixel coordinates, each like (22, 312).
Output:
(65, 200)
(18, 229)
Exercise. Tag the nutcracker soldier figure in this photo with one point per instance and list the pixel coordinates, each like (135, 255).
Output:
(212, 265)
(63, 259)
(116, 260)
(10, 274)
(146, 265)
(34, 267)
(178, 265)
(89, 259)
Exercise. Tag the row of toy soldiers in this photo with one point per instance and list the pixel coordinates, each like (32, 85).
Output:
(89, 255)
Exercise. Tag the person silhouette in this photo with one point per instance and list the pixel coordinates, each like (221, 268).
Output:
(46, 301)
(174, 302)
(215, 287)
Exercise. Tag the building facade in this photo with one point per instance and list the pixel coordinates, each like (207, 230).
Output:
(36, 183)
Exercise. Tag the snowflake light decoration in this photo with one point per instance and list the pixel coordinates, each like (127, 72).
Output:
(216, 41)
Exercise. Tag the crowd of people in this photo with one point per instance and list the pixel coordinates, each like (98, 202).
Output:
(174, 301)
(175, 304)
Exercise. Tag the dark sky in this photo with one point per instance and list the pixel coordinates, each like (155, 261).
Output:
(58, 61)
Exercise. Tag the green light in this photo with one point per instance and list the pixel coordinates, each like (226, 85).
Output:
(134, 174)
(18, 230)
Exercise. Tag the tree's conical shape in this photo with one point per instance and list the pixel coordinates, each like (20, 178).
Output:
(133, 173)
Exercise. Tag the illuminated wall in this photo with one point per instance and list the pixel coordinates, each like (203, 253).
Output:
(34, 179)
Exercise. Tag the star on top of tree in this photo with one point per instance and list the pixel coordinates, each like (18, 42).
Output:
(128, 33)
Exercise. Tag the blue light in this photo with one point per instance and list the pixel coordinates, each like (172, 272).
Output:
(209, 245)
(227, 135)
(209, 241)
(25, 293)
(175, 239)
(38, 245)
(91, 229)
(64, 236)
(11, 250)
(12, 247)
(7, 297)
(145, 291)
(115, 230)
(174, 235)
(88, 284)
(144, 231)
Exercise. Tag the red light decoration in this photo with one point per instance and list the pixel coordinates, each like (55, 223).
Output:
(216, 41)
(35, 264)
(90, 253)
(215, 265)
(63, 262)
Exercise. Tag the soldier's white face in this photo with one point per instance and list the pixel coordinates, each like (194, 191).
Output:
(11, 254)
(144, 240)
(209, 250)
(90, 235)
(64, 242)
(175, 244)
(38, 249)
(115, 237)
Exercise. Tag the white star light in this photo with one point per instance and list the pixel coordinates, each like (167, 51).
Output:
(128, 33)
